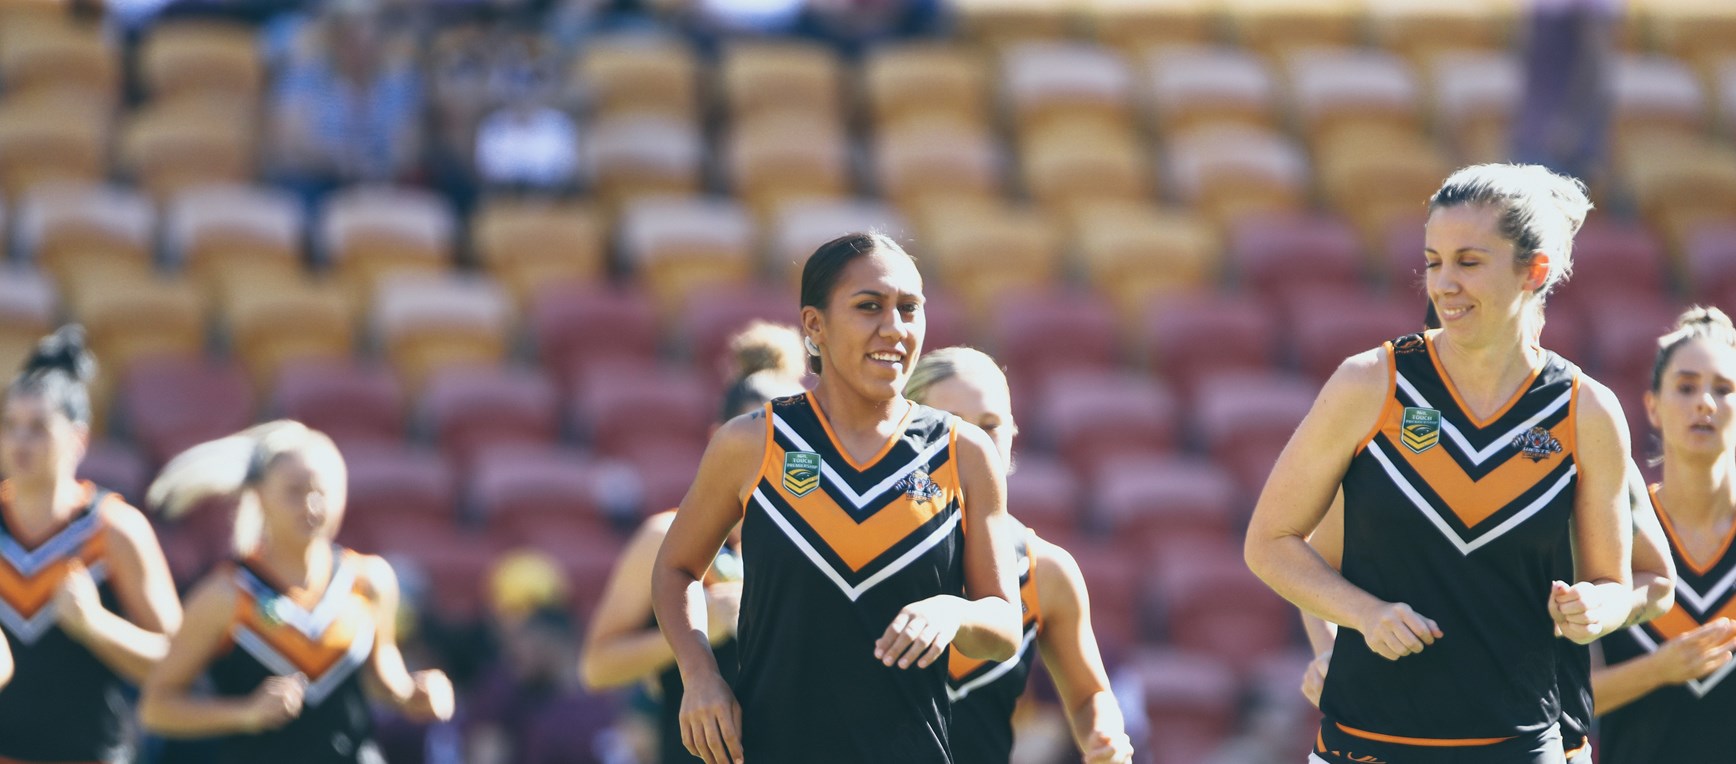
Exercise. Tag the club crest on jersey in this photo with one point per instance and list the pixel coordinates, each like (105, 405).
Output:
(801, 472)
(1421, 429)
(919, 486)
(1537, 444)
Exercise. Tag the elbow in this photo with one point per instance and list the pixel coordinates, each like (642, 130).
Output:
(594, 675)
(1255, 557)
(1004, 641)
(151, 713)
(1660, 598)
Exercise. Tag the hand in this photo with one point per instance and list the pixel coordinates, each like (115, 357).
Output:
(1314, 679)
(431, 700)
(711, 720)
(77, 601)
(722, 608)
(1108, 748)
(1394, 630)
(1696, 653)
(1578, 611)
(276, 702)
(919, 634)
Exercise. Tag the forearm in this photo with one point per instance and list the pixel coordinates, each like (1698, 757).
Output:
(122, 645)
(624, 659)
(1616, 598)
(1299, 574)
(678, 598)
(1653, 595)
(988, 628)
(1099, 715)
(1321, 635)
(182, 715)
(1616, 686)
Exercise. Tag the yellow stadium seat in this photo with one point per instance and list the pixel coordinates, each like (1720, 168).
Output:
(776, 157)
(214, 229)
(1189, 85)
(276, 318)
(429, 322)
(69, 226)
(979, 250)
(760, 77)
(48, 54)
(643, 154)
(1082, 161)
(529, 243)
(168, 146)
(133, 316)
(1277, 27)
(925, 157)
(1005, 22)
(1135, 253)
(181, 57)
(1052, 80)
(1227, 171)
(900, 81)
(1136, 26)
(639, 75)
(679, 245)
(369, 231)
(52, 135)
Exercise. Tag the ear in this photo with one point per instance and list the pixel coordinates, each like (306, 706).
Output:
(1537, 273)
(1651, 401)
(814, 323)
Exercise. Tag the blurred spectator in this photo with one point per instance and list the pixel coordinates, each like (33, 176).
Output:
(527, 145)
(347, 106)
(1569, 57)
(531, 710)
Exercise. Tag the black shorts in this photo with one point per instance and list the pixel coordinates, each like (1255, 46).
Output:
(1334, 745)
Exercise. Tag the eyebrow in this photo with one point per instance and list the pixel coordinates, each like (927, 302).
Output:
(1431, 250)
(883, 295)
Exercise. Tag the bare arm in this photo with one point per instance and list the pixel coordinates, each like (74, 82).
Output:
(620, 649)
(1327, 541)
(710, 716)
(1296, 498)
(166, 706)
(1070, 652)
(5, 663)
(1690, 655)
(1603, 524)
(990, 628)
(133, 643)
(1654, 571)
(422, 696)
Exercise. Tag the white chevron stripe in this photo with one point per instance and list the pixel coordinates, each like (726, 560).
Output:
(28, 630)
(861, 500)
(1699, 686)
(320, 687)
(1458, 438)
(1000, 669)
(310, 624)
(67, 541)
(1704, 603)
(813, 555)
(1428, 510)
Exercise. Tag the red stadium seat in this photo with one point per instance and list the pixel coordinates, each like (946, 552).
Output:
(619, 409)
(394, 486)
(1612, 258)
(117, 467)
(1625, 333)
(1036, 333)
(1044, 494)
(456, 563)
(1114, 578)
(1092, 416)
(1245, 420)
(1328, 326)
(1190, 337)
(1214, 605)
(949, 321)
(1710, 259)
(577, 325)
(1191, 702)
(174, 402)
(534, 486)
(708, 318)
(468, 408)
(1144, 500)
(664, 467)
(1274, 255)
(347, 400)
(429, 322)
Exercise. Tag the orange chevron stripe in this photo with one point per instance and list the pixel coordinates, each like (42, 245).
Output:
(312, 657)
(28, 594)
(1473, 501)
(1679, 621)
(859, 544)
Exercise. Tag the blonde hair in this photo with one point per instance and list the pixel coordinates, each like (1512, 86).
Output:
(235, 466)
(1540, 210)
(938, 366)
(765, 346)
(1696, 323)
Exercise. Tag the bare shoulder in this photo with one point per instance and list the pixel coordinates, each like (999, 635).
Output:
(376, 575)
(1056, 564)
(973, 445)
(1597, 401)
(743, 435)
(127, 527)
(214, 597)
(1364, 374)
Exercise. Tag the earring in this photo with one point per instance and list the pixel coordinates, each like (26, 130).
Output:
(813, 349)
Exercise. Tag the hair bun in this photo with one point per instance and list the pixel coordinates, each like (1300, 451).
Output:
(64, 350)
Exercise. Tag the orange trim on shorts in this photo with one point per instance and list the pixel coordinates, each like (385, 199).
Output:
(1583, 747)
(1424, 741)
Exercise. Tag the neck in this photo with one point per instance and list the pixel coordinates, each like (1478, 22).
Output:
(848, 410)
(46, 500)
(296, 564)
(1489, 367)
(1698, 489)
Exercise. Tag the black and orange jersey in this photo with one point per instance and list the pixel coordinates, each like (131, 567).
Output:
(833, 550)
(328, 638)
(983, 694)
(63, 703)
(1464, 519)
(1687, 722)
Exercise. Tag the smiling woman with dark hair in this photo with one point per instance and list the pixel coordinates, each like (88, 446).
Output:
(877, 537)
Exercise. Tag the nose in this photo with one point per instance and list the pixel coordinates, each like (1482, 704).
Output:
(1444, 279)
(893, 325)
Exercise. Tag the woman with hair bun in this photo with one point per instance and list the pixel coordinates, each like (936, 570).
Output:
(86, 601)
(1473, 464)
(293, 629)
(1664, 693)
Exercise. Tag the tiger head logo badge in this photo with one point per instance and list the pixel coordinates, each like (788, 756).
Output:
(1537, 444)
(801, 472)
